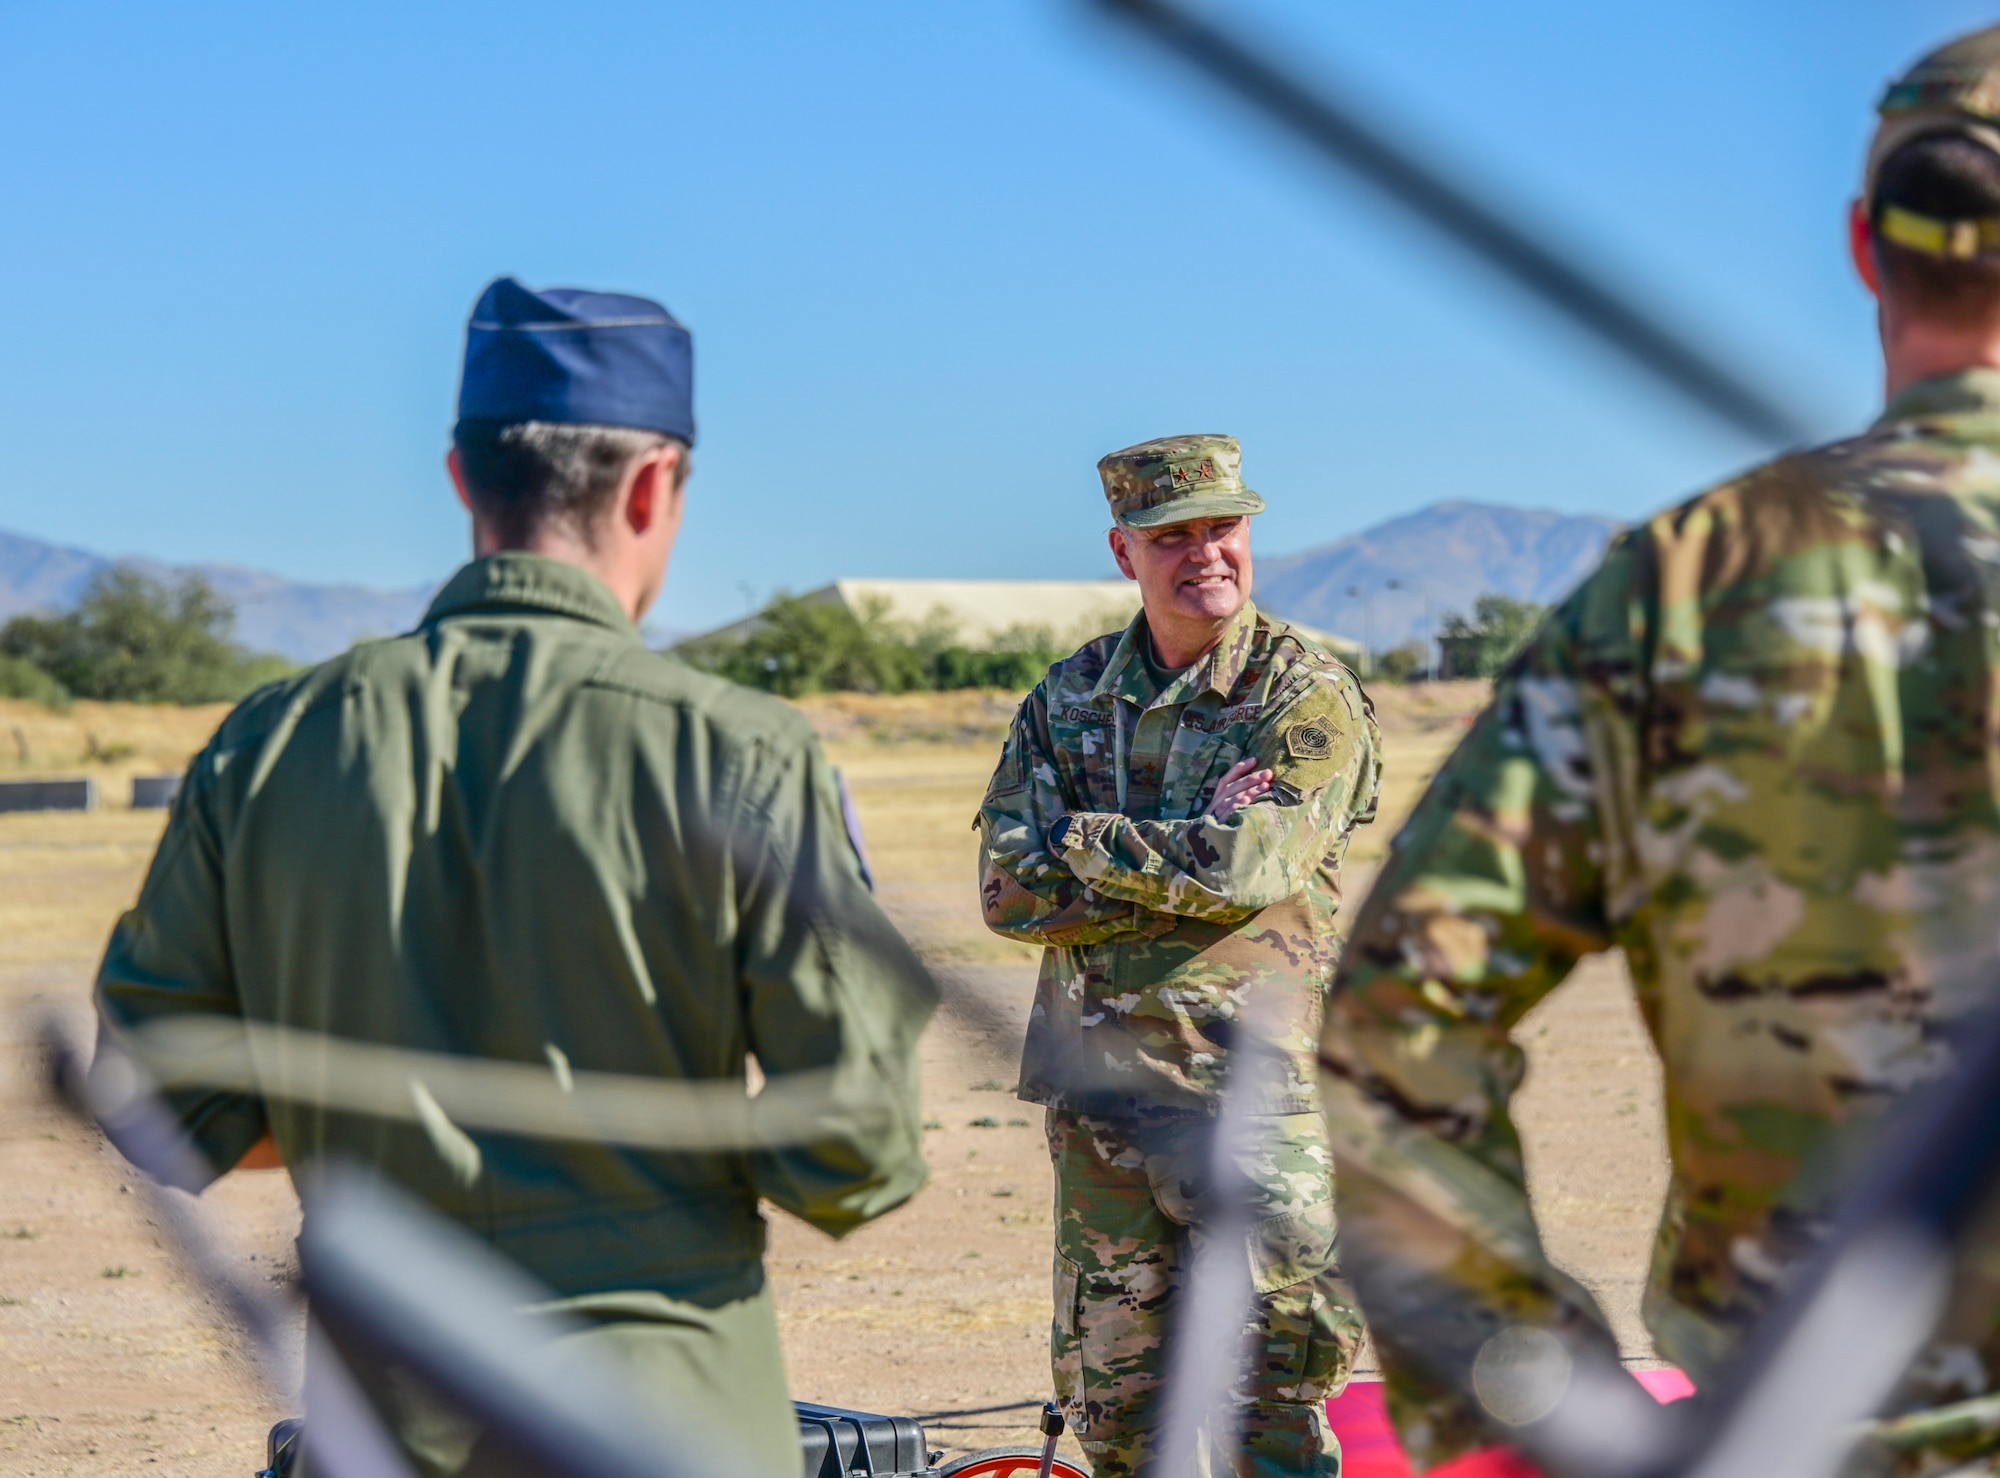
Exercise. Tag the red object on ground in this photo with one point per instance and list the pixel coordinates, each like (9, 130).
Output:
(1369, 1449)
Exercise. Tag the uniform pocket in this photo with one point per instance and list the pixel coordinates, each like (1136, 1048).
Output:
(1012, 776)
(1293, 1248)
(1305, 1343)
(1065, 1343)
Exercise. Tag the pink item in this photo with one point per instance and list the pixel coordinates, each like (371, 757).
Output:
(1369, 1449)
(1665, 1384)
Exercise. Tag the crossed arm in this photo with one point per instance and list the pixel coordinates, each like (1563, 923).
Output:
(1272, 820)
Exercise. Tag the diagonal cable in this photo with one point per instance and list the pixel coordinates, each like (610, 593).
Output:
(1563, 284)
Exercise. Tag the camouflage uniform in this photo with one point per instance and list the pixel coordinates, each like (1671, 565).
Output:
(1754, 750)
(1132, 1194)
(1166, 931)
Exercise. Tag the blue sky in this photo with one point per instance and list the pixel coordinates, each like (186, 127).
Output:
(938, 256)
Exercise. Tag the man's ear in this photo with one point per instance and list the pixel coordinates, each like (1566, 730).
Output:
(1861, 246)
(656, 490)
(1121, 552)
(456, 468)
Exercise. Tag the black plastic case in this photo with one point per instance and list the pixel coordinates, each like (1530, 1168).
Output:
(839, 1442)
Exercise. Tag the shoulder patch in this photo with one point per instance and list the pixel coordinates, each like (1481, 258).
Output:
(1310, 740)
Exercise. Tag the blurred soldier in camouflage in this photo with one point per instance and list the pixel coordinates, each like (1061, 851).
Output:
(1756, 751)
(1168, 819)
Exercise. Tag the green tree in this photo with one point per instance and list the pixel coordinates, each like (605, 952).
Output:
(808, 646)
(1402, 664)
(1483, 646)
(136, 639)
(20, 678)
(804, 646)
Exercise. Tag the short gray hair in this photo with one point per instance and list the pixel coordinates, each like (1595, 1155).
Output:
(525, 475)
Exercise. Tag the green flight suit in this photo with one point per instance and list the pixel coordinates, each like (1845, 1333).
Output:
(517, 834)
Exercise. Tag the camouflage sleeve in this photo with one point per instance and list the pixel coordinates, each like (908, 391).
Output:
(1025, 891)
(1491, 893)
(1319, 743)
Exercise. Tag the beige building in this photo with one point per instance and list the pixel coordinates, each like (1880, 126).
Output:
(983, 612)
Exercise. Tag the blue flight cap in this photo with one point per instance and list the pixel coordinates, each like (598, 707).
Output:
(566, 355)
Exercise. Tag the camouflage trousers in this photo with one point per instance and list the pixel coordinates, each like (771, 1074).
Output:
(1131, 1200)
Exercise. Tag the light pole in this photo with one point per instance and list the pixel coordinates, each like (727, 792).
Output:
(1367, 622)
(1367, 599)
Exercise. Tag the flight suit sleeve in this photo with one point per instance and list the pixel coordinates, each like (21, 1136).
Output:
(828, 984)
(1319, 742)
(169, 957)
(1025, 891)
(1492, 892)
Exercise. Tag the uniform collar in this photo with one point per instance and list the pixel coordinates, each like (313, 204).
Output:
(1125, 675)
(1972, 392)
(516, 581)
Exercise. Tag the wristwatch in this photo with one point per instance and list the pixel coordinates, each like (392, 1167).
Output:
(1062, 832)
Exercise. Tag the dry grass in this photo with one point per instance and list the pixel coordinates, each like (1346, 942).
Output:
(973, 715)
(108, 742)
(941, 1305)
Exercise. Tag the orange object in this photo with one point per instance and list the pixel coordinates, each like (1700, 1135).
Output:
(263, 1155)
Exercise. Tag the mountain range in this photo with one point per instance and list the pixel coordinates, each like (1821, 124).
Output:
(1384, 586)
(1395, 582)
(303, 622)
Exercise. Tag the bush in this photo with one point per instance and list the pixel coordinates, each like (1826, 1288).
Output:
(807, 646)
(20, 678)
(967, 667)
(1483, 646)
(139, 640)
(1402, 664)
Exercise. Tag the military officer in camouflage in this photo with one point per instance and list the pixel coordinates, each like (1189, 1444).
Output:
(517, 834)
(1754, 750)
(1168, 820)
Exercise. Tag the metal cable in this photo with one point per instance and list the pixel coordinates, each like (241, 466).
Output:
(1571, 289)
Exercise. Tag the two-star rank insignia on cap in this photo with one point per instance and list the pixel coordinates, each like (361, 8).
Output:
(1309, 741)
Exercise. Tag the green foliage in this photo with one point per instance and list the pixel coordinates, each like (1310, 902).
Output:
(1483, 646)
(809, 646)
(1402, 664)
(20, 678)
(139, 640)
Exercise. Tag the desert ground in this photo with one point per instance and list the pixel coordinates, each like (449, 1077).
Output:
(113, 1361)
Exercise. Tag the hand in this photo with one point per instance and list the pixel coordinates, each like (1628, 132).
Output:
(1243, 784)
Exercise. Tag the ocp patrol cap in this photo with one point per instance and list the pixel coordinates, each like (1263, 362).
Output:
(576, 357)
(1954, 90)
(1176, 479)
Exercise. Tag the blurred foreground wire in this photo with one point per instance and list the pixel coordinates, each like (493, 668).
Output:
(349, 1443)
(1348, 140)
(344, 1075)
(397, 1282)
(401, 1286)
